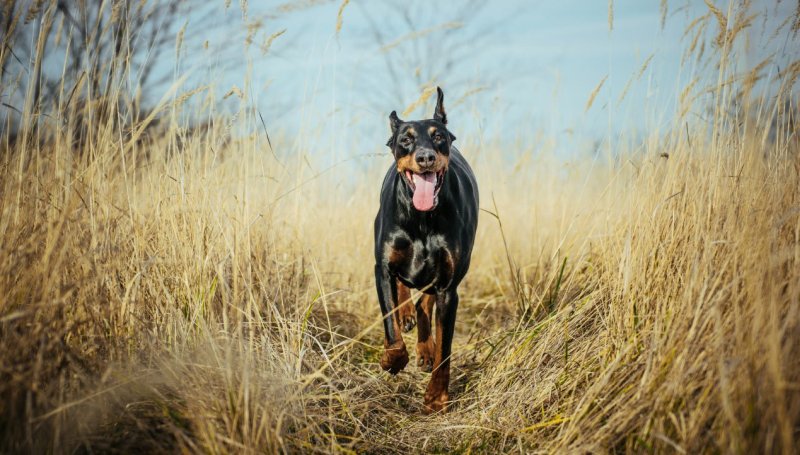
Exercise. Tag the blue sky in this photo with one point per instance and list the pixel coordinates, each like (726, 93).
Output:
(526, 67)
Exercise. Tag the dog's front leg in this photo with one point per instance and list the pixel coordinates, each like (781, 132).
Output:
(436, 396)
(426, 348)
(395, 355)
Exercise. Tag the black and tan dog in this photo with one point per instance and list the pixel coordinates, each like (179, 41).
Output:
(424, 233)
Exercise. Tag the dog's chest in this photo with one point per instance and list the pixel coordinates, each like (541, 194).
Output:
(422, 261)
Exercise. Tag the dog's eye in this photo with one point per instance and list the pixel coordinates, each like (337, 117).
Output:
(406, 141)
(438, 137)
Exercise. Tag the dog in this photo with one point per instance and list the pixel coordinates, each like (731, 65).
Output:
(424, 234)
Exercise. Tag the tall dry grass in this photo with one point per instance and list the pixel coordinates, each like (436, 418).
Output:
(196, 292)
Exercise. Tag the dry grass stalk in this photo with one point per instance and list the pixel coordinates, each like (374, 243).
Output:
(594, 93)
(635, 78)
(340, 15)
(722, 23)
(421, 33)
(268, 42)
(423, 98)
(153, 301)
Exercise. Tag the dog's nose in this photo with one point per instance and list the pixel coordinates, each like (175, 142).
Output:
(425, 158)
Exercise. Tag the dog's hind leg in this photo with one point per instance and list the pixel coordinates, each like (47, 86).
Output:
(405, 311)
(436, 395)
(425, 343)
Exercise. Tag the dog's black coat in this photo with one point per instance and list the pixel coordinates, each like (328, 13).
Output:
(427, 250)
(448, 229)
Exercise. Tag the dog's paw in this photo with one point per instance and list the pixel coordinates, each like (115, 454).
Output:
(394, 358)
(425, 352)
(408, 316)
(409, 322)
(436, 401)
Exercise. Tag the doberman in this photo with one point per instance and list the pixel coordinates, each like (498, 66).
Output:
(424, 232)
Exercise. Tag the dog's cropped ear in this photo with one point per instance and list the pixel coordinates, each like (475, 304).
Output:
(439, 114)
(394, 123)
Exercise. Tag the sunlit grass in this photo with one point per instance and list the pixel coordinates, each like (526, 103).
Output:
(193, 291)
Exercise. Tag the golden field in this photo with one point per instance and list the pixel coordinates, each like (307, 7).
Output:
(179, 289)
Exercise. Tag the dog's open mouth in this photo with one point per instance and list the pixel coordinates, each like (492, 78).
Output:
(426, 188)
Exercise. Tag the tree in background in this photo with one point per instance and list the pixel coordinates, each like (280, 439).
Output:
(83, 65)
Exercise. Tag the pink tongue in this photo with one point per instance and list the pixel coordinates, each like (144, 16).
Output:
(424, 185)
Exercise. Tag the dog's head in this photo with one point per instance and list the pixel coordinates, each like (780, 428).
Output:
(421, 149)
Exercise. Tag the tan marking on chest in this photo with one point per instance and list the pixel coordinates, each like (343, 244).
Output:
(397, 256)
